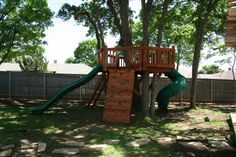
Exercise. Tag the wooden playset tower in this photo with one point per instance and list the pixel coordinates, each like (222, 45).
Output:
(120, 65)
(230, 38)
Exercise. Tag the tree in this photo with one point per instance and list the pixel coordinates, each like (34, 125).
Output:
(85, 53)
(202, 13)
(22, 25)
(146, 17)
(210, 69)
(120, 13)
(160, 31)
(92, 14)
(180, 31)
(137, 33)
(229, 57)
(70, 60)
(35, 62)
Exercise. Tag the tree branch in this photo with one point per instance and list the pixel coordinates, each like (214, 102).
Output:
(7, 12)
(117, 20)
(162, 22)
(3, 37)
(9, 48)
(95, 29)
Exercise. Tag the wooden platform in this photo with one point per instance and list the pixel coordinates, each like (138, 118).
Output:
(230, 38)
(142, 58)
(119, 96)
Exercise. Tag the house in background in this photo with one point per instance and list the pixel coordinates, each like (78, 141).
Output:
(225, 75)
(52, 68)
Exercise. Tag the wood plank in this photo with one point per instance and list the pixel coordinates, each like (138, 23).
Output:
(116, 116)
(118, 105)
(230, 4)
(230, 36)
(230, 40)
(230, 26)
(113, 89)
(232, 12)
(231, 18)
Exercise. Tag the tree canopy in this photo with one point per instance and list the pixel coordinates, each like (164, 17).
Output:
(35, 62)
(86, 53)
(210, 69)
(22, 26)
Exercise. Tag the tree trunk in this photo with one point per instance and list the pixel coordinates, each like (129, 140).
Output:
(145, 94)
(116, 18)
(197, 49)
(122, 23)
(234, 62)
(146, 16)
(126, 35)
(95, 29)
(158, 44)
(98, 28)
(202, 19)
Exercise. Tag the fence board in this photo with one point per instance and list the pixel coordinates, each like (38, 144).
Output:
(46, 85)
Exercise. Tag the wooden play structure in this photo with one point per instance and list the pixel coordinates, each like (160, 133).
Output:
(120, 65)
(230, 38)
(119, 68)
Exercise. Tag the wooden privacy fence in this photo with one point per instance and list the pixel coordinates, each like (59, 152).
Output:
(44, 85)
(41, 85)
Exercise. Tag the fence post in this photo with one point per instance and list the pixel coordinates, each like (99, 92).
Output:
(80, 91)
(44, 86)
(211, 94)
(234, 91)
(9, 84)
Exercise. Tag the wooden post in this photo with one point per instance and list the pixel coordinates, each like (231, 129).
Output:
(9, 84)
(234, 95)
(211, 94)
(80, 91)
(104, 58)
(141, 55)
(44, 86)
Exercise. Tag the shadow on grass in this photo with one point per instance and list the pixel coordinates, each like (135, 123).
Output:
(73, 121)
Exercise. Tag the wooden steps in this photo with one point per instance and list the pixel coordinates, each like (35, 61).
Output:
(100, 86)
(119, 96)
(230, 38)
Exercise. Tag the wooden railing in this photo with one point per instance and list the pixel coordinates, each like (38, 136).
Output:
(143, 58)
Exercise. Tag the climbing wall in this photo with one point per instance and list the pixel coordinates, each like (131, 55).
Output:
(119, 96)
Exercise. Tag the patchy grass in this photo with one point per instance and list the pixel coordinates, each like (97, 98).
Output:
(71, 121)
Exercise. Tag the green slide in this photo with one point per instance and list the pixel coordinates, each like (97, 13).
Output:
(177, 85)
(67, 89)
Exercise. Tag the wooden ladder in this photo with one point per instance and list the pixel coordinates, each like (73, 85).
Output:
(100, 86)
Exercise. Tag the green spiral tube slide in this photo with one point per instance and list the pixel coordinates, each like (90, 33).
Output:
(68, 88)
(177, 85)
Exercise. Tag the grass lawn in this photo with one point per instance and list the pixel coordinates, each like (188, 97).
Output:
(70, 121)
